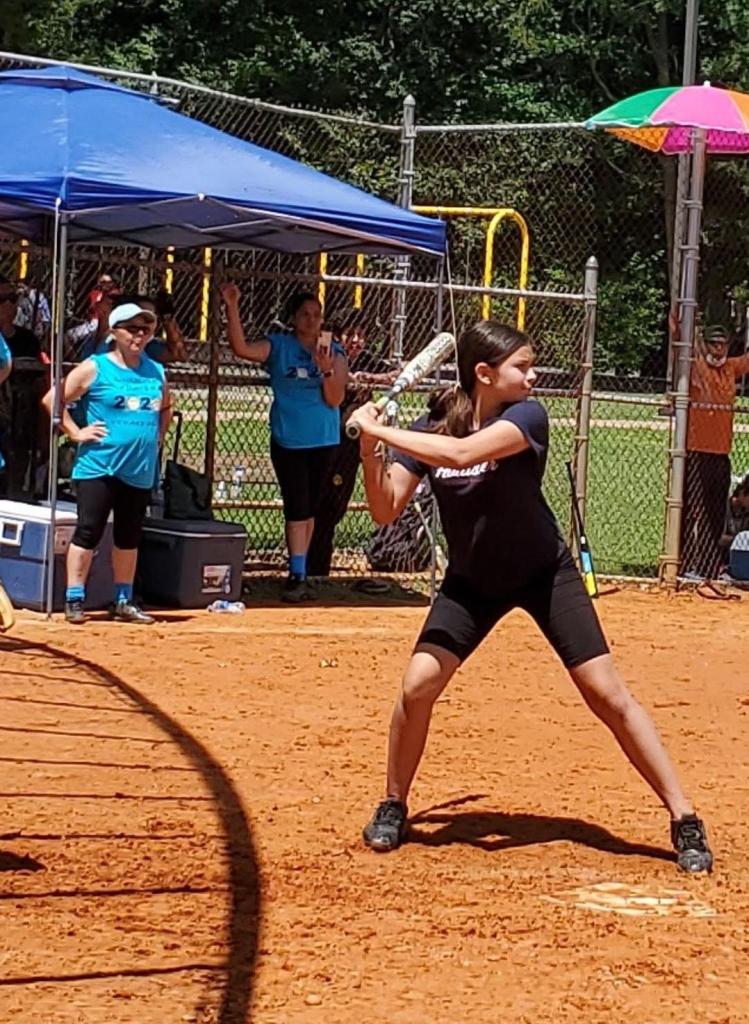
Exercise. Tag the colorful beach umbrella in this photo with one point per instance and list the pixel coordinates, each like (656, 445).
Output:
(662, 120)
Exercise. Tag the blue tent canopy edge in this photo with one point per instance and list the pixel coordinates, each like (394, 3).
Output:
(120, 166)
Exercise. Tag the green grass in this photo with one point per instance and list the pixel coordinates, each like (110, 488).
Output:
(626, 483)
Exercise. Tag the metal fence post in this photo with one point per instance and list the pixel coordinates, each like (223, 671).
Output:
(214, 319)
(683, 364)
(584, 407)
(405, 199)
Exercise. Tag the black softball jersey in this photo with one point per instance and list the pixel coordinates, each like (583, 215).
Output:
(500, 532)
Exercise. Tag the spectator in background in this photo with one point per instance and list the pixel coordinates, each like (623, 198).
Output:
(81, 341)
(367, 370)
(308, 380)
(737, 522)
(105, 286)
(22, 342)
(167, 347)
(21, 394)
(33, 311)
(712, 395)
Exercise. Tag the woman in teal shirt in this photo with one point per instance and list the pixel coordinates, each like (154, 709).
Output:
(308, 383)
(125, 400)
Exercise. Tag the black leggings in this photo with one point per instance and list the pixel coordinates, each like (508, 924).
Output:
(337, 490)
(105, 494)
(301, 474)
(557, 600)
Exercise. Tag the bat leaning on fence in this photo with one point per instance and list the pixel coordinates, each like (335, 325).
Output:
(587, 569)
(413, 373)
(7, 616)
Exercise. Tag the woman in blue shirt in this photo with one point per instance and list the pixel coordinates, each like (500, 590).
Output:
(126, 403)
(308, 383)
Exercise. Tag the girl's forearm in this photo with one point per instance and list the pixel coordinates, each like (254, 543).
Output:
(378, 487)
(433, 449)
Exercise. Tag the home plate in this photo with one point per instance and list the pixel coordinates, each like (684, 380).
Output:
(633, 901)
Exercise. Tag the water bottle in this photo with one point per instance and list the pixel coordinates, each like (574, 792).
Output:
(227, 607)
(237, 483)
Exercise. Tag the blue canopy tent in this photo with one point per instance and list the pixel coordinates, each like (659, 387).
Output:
(87, 161)
(124, 168)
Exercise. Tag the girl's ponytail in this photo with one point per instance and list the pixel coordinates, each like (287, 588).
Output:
(451, 411)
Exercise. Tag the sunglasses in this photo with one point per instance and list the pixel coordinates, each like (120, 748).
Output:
(134, 329)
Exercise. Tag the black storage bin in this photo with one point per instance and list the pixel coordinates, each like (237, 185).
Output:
(189, 563)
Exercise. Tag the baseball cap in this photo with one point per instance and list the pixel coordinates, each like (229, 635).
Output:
(129, 311)
(715, 332)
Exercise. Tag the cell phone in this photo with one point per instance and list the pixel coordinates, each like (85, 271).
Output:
(325, 343)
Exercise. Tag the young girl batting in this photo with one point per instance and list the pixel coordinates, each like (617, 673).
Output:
(483, 446)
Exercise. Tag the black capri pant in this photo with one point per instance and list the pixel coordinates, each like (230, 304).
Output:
(708, 485)
(105, 494)
(557, 600)
(301, 473)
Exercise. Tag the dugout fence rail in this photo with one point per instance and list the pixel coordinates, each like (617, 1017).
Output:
(603, 345)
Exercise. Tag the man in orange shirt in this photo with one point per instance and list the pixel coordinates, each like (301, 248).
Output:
(712, 395)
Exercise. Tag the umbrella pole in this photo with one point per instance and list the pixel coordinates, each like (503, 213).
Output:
(683, 363)
(58, 321)
(680, 208)
(689, 75)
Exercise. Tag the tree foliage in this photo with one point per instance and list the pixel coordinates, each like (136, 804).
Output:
(464, 61)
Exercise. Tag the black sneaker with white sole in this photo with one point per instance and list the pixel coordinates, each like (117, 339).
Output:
(296, 589)
(689, 838)
(74, 613)
(127, 611)
(387, 829)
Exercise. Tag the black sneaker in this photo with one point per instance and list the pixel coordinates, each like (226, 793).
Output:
(690, 842)
(74, 612)
(387, 829)
(126, 611)
(296, 590)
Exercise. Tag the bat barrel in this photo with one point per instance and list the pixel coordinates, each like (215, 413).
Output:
(412, 374)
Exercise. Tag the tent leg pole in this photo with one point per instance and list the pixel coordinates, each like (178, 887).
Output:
(58, 321)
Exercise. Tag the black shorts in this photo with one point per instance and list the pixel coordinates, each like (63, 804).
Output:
(461, 618)
(102, 495)
(301, 474)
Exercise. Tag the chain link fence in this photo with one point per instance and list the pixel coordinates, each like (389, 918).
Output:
(525, 207)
